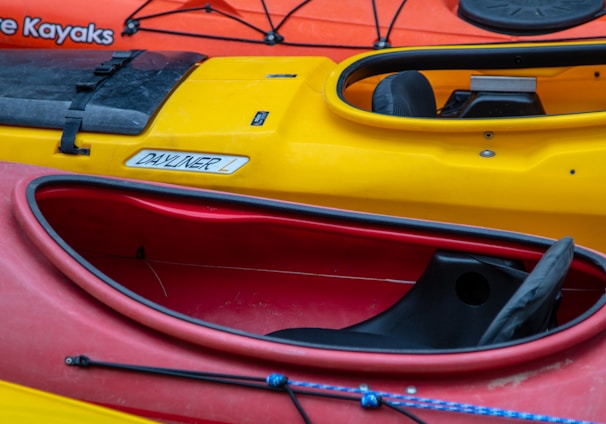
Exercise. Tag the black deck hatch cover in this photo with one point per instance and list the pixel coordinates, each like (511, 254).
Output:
(109, 91)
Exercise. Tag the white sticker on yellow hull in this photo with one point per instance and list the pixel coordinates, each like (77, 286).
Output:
(187, 161)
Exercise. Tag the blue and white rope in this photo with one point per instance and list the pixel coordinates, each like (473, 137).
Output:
(373, 399)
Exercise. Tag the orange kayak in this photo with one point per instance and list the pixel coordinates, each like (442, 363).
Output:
(291, 27)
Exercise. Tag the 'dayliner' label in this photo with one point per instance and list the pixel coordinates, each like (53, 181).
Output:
(186, 161)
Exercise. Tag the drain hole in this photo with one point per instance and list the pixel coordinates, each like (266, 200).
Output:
(472, 288)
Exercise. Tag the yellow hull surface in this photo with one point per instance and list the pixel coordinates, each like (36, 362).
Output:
(23, 405)
(525, 152)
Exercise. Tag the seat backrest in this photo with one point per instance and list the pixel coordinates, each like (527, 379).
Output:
(407, 94)
(532, 308)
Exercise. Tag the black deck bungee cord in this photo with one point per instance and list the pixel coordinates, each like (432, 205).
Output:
(393, 21)
(132, 25)
(368, 399)
(207, 8)
(274, 382)
(289, 14)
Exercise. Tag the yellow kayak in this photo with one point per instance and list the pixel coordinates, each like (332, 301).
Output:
(23, 405)
(508, 136)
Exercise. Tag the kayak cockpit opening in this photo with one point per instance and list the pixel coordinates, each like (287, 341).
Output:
(309, 276)
(471, 82)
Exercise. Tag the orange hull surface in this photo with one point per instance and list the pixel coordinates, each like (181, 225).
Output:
(289, 27)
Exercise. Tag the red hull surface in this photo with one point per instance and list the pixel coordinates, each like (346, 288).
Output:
(292, 27)
(162, 300)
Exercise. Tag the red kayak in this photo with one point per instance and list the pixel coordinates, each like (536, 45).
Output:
(292, 27)
(194, 306)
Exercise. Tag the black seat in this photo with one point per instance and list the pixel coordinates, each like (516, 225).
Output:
(407, 93)
(533, 307)
(460, 301)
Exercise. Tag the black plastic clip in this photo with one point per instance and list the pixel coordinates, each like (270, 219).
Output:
(131, 27)
(119, 59)
(77, 361)
(381, 43)
(272, 38)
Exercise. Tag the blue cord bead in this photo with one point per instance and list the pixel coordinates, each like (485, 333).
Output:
(370, 401)
(276, 380)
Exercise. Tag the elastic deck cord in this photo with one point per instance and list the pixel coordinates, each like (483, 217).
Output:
(132, 25)
(368, 399)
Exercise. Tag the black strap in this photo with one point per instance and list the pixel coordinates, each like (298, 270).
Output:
(84, 92)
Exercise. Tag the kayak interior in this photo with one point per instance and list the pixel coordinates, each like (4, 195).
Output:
(479, 82)
(258, 267)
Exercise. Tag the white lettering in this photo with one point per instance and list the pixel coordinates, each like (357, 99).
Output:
(8, 26)
(47, 31)
(108, 37)
(29, 27)
(78, 34)
(36, 28)
(94, 34)
(62, 33)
